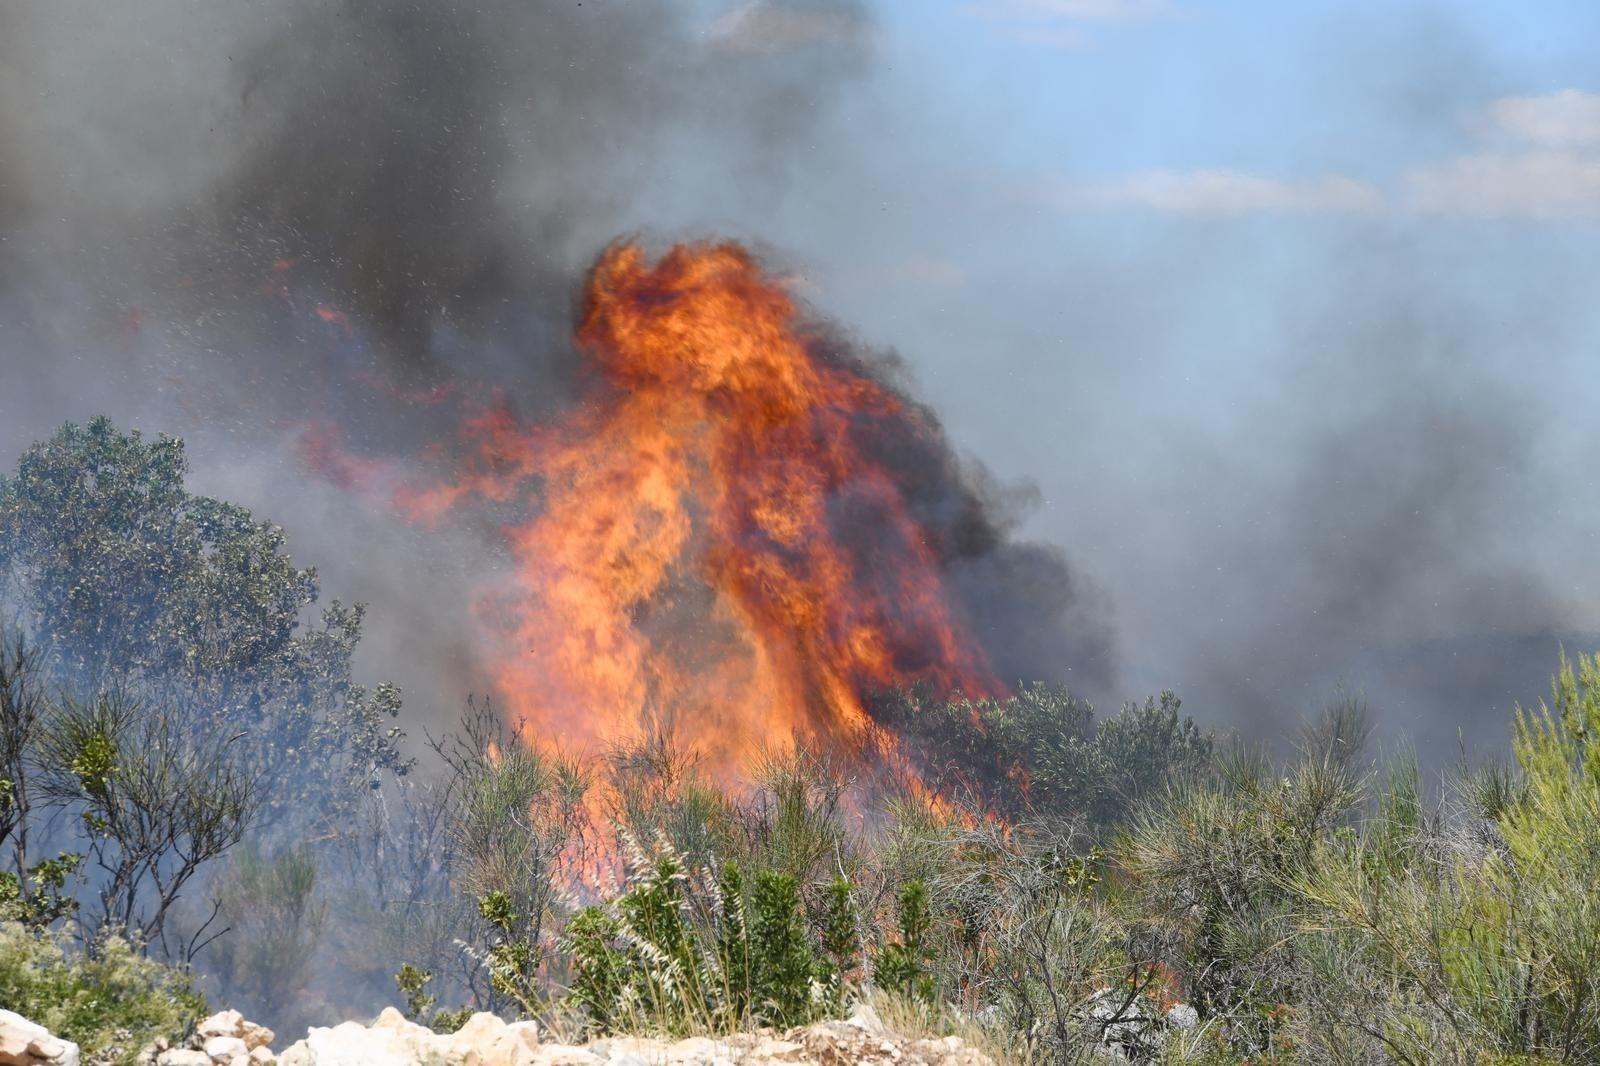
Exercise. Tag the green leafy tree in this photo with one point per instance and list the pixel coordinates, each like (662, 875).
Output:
(1042, 754)
(129, 579)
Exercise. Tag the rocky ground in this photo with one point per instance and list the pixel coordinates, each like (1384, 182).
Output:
(227, 1039)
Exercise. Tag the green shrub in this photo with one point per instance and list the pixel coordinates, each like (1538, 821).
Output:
(1041, 753)
(733, 942)
(638, 961)
(784, 965)
(111, 1003)
(841, 940)
(1477, 940)
(275, 918)
(904, 966)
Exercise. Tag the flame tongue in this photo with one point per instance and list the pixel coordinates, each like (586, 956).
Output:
(717, 554)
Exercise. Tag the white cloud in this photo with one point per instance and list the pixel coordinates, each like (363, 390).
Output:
(1542, 162)
(1079, 10)
(1062, 23)
(1566, 119)
(1536, 185)
(1222, 193)
(1539, 159)
(764, 26)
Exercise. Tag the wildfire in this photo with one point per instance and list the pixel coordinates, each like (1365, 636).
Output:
(714, 545)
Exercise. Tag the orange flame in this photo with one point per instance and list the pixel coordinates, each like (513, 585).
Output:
(711, 548)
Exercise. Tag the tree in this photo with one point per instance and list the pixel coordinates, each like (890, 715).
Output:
(154, 806)
(130, 581)
(1041, 753)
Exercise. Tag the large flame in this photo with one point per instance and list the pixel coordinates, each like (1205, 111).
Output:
(710, 548)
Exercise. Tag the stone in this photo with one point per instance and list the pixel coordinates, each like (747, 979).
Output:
(183, 1056)
(487, 1040)
(389, 1018)
(1182, 1016)
(26, 1043)
(222, 1023)
(626, 1058)
(224, 1048)
(255, 1036)
(865, 1018)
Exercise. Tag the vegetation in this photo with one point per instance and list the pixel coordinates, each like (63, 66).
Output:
(194, 792)
(111, 1002)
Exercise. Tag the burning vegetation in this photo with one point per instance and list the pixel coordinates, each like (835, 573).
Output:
(737, 537)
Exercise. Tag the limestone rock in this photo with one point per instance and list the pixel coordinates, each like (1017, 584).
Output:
(486, 1040)
(224, 1048)
(25, 1043)
(226, 1038)
(183, 1056)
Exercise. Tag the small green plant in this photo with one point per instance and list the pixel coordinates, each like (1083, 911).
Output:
(733, 942)
(784, 965)
(599, 969)
(905, 967)
(40, 898)
(413, 984)
(841, 942)
(513, 957)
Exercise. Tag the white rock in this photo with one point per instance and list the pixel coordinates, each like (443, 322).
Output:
(626, 1058)
(183, 1056)
(389, 1018)
(1182, 1016)
(865, 1018)
(25, 1043)
(222, 1023)
(255, 1036)
(225, 1048)
(353, 1044)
